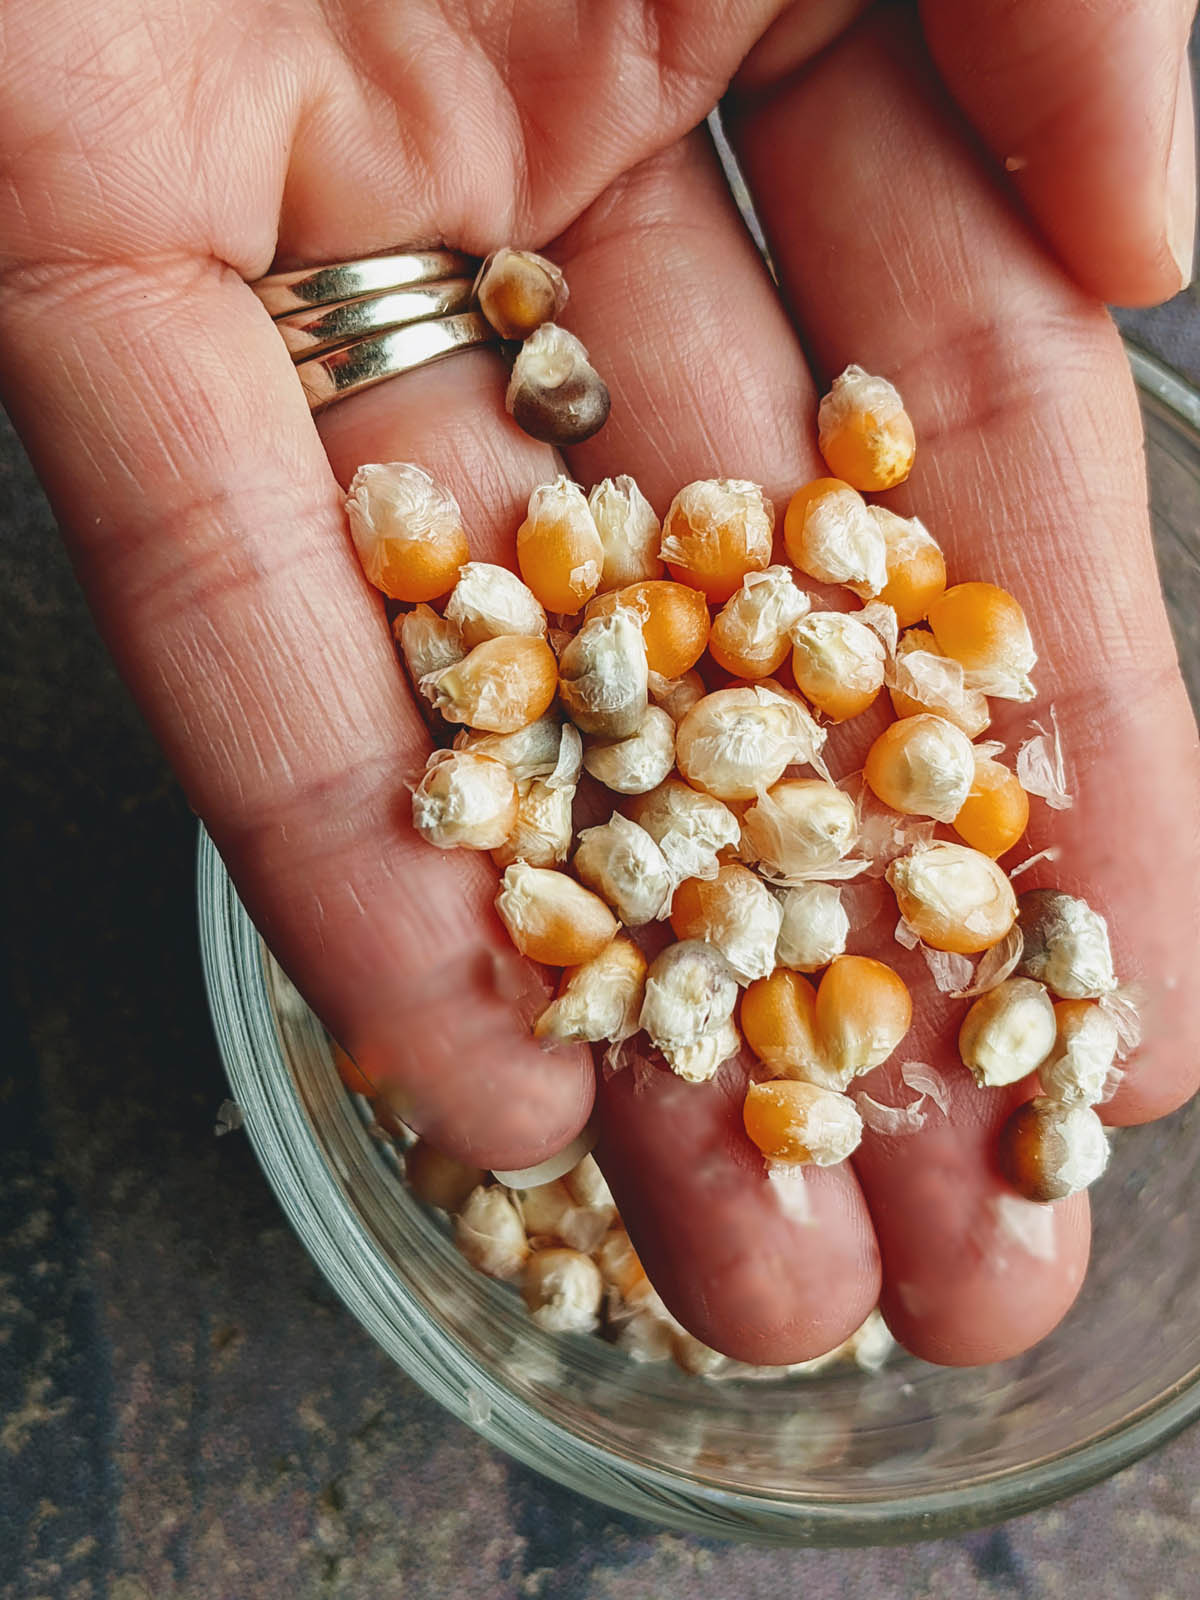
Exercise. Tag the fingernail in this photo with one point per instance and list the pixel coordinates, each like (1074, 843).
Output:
(1181, 180)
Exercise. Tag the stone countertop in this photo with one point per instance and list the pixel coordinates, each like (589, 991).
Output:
(186, 1410)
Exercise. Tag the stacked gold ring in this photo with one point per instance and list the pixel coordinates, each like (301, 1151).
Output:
(351, 324)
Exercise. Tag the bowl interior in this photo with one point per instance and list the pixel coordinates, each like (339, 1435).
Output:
(843, 1457)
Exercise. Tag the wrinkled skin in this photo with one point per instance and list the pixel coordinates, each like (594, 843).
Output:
(154, 158)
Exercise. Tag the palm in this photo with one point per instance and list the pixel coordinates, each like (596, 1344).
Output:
(147, 153)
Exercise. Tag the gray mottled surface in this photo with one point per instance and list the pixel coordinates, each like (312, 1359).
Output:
(185, 1410)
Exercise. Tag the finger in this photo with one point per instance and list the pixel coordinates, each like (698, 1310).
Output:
(1090, 108)
(766, 1272)
(670, 295)
(208, 530)
(1030, 473)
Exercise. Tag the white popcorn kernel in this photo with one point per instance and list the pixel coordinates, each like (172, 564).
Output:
(638, 763)
(1081, 1068)
(922, 680)
(464, 801)
(645, 1337)
(629, 532)
(838, 662)
(1066, 945)
(622, 863)
(839, 542)
(694, 1357)
(599, 1000)
(922, 766)
(676, 696)
(563, 1290)
(1007, 1033)
(691, 990)
(490, 1234)
(736, 742)
(813, 928)
(953, 897)
(603, 677)
(542, 1208)
(428, 643)
(589, 1186)
(542, 829)
(798, 829)
(490, 602)
(690, 828)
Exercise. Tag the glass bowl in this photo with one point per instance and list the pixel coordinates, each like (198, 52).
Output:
(845, 1457)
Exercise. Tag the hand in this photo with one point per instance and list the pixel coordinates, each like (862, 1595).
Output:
(154, 159)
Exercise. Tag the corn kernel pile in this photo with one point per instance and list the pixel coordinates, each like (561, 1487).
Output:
(685, 670)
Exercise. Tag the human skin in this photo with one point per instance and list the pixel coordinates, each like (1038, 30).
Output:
(948, 197)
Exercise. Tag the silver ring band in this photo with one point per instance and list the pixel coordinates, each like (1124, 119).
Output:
(354, 367)
(282, 292)
(315, 330)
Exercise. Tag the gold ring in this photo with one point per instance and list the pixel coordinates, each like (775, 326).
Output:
(369, 361)
(282, 292)
(310, 332)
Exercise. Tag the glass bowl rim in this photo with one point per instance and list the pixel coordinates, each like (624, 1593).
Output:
(322, 1216)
